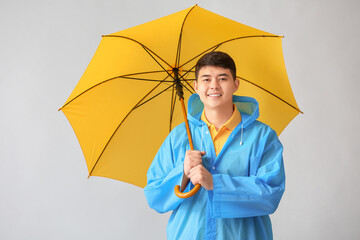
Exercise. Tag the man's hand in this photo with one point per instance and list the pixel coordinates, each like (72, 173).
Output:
(195, 171)
(192, 159)
(201, 175)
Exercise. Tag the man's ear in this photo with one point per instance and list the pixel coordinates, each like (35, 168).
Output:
(195, 86)
(237, 84)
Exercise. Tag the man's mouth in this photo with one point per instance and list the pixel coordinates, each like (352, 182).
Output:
(214, 95)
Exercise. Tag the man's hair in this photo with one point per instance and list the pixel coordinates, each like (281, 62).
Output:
(217, 59)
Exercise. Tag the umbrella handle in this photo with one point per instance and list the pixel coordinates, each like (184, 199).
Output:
(188, 194)
(197, 186)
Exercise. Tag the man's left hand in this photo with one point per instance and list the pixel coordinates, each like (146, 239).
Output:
(199, 174)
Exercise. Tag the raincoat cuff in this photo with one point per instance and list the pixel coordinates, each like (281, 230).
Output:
(160, 195)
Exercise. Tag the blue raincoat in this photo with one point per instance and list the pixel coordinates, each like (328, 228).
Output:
(248, 178)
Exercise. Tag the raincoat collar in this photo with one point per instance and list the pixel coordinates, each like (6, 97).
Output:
(247, 106)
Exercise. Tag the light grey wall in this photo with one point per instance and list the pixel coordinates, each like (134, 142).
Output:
(45, 47)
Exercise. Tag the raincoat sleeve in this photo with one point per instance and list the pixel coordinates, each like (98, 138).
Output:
(164, 174)
(254, 195)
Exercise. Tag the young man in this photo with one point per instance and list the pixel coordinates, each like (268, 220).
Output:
(238, 162)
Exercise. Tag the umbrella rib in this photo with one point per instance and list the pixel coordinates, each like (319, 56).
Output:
(146, 48)
(193, 90)
(172, 109)
(189, 79)
(184, 79)
(270, 94)
(171, 106)
(177, 61)
(153, 97)
(110, 79)
(213, 48)
(139, 73)
(183, 76)
(187, 88)
(136, 106)
(132, 74)
(144, 79)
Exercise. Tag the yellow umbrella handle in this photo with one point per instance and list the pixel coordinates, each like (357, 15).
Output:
(188, 194)
(197, 186)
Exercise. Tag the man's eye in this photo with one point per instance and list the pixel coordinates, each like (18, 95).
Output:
(205, 80)
(222, 79)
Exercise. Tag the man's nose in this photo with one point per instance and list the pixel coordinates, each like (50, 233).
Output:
(214, 84)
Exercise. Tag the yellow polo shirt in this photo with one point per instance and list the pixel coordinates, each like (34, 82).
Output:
(219, 137)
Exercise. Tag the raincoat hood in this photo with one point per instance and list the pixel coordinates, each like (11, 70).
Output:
(247, 106)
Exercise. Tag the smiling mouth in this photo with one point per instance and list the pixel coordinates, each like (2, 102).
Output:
(214, 95)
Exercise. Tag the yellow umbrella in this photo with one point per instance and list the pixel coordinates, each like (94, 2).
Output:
(125, 103)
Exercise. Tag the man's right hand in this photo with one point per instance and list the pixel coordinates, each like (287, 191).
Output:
(192, 159)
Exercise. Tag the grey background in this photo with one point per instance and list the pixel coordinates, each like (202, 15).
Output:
(45, 47)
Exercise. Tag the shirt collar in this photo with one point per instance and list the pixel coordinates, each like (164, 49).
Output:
(230, 124)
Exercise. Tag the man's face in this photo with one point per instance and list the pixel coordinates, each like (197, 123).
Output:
(216, 86)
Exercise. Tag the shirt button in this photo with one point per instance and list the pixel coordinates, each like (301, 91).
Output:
(207, 132)
(214, 168)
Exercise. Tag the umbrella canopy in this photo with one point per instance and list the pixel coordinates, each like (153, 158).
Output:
(125, 103)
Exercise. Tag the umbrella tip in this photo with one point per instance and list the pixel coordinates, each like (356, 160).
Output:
(59, 109)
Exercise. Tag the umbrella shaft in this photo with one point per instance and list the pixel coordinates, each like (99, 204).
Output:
(186, 123)
(179, 87)
(185, 179)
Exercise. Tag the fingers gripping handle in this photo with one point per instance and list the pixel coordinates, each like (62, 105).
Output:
(188, 194)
